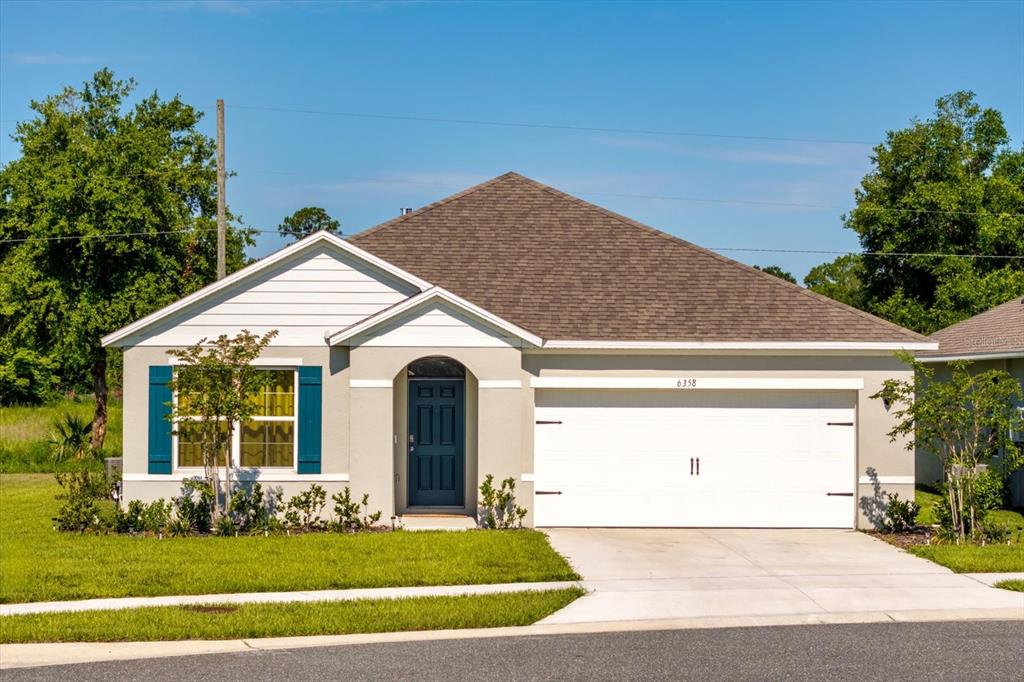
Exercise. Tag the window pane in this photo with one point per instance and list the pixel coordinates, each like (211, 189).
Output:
(278, 398)
(190, 451)
(267, 444)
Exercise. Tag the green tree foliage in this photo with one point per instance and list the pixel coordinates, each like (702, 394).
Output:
(306, 221)
(965, 422)
(951, 185)
(841, 280)
(215, 383)
(107, 215)
(778, 272)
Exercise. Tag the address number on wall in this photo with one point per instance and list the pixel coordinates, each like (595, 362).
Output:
(686, 383)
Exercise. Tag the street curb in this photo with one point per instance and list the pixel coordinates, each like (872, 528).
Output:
(35, 655)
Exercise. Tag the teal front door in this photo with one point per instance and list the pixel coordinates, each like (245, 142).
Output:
(437, 450)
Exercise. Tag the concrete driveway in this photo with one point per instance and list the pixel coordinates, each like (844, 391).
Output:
(655, 574)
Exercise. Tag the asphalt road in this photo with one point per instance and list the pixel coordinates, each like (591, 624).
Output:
(907, 651)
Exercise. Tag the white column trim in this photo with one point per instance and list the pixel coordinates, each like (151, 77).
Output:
(259, 362)
(690, 383)
(244, 475)
(370, 383)
(500, 383)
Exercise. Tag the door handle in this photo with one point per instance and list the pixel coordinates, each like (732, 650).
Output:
(691, 466)
(698, 466)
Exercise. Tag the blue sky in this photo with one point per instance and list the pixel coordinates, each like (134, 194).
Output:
(821, 71)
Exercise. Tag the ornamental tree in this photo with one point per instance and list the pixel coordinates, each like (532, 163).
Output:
(214, 384)
(306, 221)
(965, 421)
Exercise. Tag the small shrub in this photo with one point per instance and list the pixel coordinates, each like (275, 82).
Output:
(179, 528)
(127, 520)
(156, 516)
(79, 509)
(900, 515)
(224, 527)
(498, 507)
(352, 516)
(990, 490)
(192, 509)
(303, 510)
(249, 510)
(993, 533)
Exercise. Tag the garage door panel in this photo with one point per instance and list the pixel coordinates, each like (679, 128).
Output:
(766, 458)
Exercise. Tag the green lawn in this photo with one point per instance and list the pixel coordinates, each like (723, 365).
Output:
(40, 564)
(281, 620)
(1015, 585)
(24, 432)
(971, 558)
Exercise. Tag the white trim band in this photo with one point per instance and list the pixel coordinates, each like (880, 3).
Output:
(1011, 355)
(891, 480)
(243, 475)
(500, 383)
(370, 383)
(692, 383)
(258, 362)
(743, 345)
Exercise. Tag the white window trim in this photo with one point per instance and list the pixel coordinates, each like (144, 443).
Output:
(236, 435)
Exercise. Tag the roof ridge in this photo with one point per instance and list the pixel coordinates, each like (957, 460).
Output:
(724, 259)
(436, 204)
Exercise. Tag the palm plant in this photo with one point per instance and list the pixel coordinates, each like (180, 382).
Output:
(71, 439)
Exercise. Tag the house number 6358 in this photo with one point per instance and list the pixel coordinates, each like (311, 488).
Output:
(686, 383)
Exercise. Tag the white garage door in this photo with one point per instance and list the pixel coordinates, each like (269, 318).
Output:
(782, 459)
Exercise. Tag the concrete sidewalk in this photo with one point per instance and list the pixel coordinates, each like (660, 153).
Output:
(275, 597)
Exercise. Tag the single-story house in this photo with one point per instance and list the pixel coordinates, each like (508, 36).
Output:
(621, 376)
(993, 339)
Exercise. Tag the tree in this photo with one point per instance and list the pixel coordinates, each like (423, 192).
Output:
(110, 215)
(214, 384)
(947, 185)
(964, 421)
(840, 280)
(778, 272)
(306, 221)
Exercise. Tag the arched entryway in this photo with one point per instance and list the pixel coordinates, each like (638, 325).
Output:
(436, 435)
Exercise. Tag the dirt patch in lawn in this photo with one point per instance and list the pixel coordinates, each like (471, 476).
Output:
(906, 539)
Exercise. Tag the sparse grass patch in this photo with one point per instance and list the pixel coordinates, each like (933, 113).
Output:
(1015, 585)
(282, 620)
(24, 432)
(40, 564)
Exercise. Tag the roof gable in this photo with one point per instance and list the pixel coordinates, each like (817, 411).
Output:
(566, 269)
(320, 282)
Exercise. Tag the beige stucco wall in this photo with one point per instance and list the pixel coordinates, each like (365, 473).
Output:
(364, 427)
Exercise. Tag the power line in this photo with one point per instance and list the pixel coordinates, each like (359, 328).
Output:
(548, 126)
(901, 254)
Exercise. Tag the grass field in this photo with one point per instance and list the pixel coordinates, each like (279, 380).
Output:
(40, 564)
(24, 432)
(972, 558)
(278, 620)
(1015, 585)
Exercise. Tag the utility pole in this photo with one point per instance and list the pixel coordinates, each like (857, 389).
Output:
(222, 220)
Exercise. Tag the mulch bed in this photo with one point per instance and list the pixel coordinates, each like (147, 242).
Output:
(905, 540)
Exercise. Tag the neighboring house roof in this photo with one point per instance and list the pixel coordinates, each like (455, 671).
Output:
(583, 276)
(995, 333)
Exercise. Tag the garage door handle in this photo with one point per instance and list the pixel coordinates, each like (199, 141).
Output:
(698, 466)
(839, 494)
(691, 466)
(546, 421)
(839, 423)
(547, 492)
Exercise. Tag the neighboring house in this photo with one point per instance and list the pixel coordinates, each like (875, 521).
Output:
(621, 376)
(993, 339)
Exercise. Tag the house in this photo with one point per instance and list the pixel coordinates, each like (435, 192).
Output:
(621, 376)
(993, 339)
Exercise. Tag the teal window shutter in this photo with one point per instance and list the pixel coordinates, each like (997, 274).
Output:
(310, 419)
(159, 426)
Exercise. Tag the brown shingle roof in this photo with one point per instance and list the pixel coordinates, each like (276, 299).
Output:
(566, 269)
(999, 330)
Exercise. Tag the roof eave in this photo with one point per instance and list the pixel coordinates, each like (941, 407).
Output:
(996, 355)
(742, 345)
